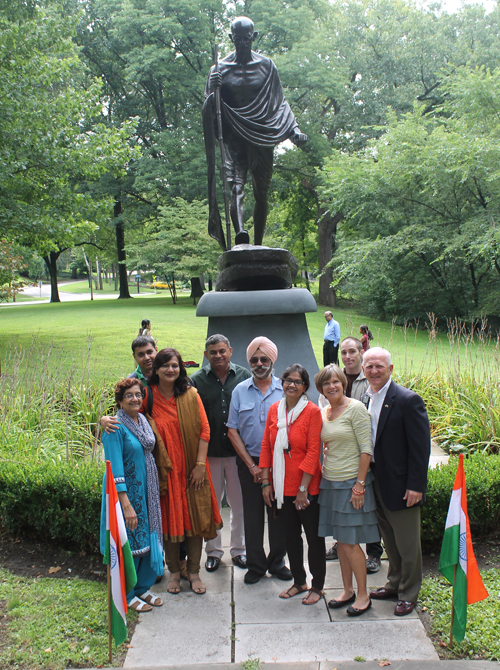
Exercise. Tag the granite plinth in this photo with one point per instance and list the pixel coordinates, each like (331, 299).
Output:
(277, 314)
(254, 268)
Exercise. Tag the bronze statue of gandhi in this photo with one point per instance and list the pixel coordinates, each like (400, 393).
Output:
(255, 117)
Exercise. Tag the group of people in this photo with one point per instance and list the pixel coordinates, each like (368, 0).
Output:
(352, 468)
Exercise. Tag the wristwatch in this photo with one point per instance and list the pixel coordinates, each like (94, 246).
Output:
(360, 481)
(303, 489)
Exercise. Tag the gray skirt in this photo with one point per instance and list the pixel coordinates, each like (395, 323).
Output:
(339, 519)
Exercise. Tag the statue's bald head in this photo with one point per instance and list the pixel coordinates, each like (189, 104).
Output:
(242, 24)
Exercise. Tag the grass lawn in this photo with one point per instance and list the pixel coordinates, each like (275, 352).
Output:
(98, 334)
(483, 619)
(54, 623)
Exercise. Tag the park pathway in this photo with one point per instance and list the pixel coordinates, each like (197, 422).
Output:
(234, 621)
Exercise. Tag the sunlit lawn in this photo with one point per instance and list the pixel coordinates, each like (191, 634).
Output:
(108, 327)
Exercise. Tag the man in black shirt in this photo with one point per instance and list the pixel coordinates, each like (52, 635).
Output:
(215, 384)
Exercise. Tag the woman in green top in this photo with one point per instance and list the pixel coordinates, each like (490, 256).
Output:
(346, 499)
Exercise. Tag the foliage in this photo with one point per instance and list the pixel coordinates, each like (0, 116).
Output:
(421, 203)
(11, 264)
(482, 473)
(52, 141)
(54, 623)
(177, 242)
(48, 413)
(483, 618)
(67, 510)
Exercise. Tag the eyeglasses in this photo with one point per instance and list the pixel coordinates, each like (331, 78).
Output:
(294, 382)
(129, 396)
(263, 359)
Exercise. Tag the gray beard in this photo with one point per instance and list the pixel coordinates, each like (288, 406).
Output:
(266, 376)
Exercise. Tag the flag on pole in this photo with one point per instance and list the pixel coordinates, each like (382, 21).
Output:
(457, 561)
(119, 558)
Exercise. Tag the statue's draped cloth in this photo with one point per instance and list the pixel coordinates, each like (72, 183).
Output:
(266, 121)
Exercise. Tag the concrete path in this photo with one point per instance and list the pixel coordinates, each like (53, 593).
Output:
(234, 622)
(435, 664)
(65, 296)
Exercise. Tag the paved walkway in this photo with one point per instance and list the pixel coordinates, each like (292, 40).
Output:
(234, 622)
(65, 296)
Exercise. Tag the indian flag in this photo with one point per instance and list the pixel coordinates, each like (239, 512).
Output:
(119, 558)
(457, 561)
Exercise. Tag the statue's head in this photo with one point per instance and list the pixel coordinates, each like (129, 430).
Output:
(242, 33)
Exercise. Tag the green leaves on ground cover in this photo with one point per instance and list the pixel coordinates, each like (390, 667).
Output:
(54, 623)
(483, 619)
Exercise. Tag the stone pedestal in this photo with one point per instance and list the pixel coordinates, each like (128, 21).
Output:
(277, 314)
(249, 268)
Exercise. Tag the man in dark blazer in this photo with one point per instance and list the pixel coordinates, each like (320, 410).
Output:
(402, 442)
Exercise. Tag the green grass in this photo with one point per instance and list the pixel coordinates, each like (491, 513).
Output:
(108, 327)
(54, 623)
(483, 619)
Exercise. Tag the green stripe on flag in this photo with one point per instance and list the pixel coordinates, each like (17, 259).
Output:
(460, 603)
(128, 568)
(118, 626)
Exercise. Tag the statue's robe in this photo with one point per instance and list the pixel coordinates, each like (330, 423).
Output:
(265, 121)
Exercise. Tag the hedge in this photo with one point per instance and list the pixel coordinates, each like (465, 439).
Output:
(53, 502)
(482, 474)
(61, 502)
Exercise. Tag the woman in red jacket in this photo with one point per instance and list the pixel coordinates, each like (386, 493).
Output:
(291, 453)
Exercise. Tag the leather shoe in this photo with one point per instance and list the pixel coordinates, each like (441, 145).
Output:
(335, 604)
(251, 577)
(283, 574)
(382, 594)
(212, 563)
(404, 607)
(240, 561)
(354, 611)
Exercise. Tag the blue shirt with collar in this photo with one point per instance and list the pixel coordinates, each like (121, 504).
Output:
(332, 331)
(249, 409)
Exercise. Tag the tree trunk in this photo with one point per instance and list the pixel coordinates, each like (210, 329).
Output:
(327, 228)
(73, 273)
(51, 263)
(122, 256)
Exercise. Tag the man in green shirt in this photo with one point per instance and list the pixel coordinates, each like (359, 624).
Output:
(215, 384)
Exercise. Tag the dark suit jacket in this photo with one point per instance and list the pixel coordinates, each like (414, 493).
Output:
(402, 446)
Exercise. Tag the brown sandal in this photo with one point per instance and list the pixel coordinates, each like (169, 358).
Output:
(312, 590)
(174, 583)
(195, 579)
(286, 595)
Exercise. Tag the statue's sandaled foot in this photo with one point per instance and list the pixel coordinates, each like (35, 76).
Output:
(242, 237)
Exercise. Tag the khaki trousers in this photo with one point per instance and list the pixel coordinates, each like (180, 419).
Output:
(401, 534)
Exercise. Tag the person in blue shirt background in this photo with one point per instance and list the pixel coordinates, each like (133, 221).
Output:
(332, 339)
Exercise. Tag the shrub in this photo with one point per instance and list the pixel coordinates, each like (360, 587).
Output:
(55, 502)
(482, 473)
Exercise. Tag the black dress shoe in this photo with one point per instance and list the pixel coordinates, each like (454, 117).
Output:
(404, 607)
(382, 594)
(283, 574)
(240, 561)
(251, 577)
(335, 604)
(212, 563)
(354, 611)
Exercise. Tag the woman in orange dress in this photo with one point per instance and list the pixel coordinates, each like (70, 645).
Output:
(189, 506)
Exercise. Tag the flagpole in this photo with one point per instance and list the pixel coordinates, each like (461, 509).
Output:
(452, 606)
(109, 615)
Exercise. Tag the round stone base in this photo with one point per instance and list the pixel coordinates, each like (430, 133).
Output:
(251, 268)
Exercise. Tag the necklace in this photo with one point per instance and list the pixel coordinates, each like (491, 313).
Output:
(332, 413)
